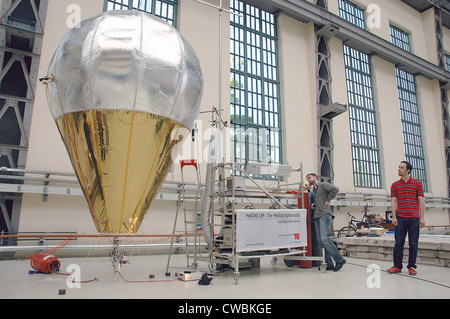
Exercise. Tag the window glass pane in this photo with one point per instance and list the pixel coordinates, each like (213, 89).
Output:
(399, 38)
(254, 85)
(447, 62)
(165, 9)
(362, 116)
(412, 136)
(361, 106)
(352, 13)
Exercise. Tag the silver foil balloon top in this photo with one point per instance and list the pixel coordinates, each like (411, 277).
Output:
(126, 60)
(124, 89)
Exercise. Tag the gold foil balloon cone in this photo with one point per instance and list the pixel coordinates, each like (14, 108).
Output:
(126, 91)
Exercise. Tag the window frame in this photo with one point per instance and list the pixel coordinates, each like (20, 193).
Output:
(411, 127)
(400, 38)
(255, 104)
(409, 111)
(366, 160)
(363, 121)
(352, 13)
(149, 6)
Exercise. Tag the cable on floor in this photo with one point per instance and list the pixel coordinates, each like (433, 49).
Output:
(73, 281)
(137, 281)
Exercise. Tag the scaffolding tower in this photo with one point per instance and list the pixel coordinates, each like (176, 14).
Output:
(21, 33)
(229, 187)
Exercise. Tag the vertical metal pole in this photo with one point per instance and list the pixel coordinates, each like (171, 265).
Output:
(220, 65)
(220, 126)
(220, 144)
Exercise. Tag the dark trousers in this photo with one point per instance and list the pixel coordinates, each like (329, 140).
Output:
(410, 226)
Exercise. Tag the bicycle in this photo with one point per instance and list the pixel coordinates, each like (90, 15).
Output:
(351, 229)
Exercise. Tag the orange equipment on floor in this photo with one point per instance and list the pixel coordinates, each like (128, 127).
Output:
(309, 248)
(45, 263)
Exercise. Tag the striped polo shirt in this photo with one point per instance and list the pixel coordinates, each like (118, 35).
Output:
(407, 194)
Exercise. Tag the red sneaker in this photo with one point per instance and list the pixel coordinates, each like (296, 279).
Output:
(394, 270)
(412, 271)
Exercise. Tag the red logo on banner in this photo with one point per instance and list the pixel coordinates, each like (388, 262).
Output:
(297, 236)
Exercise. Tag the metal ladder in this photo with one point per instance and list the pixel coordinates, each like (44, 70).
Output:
(192, 223)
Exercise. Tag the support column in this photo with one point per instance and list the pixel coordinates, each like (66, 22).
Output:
(325, 125)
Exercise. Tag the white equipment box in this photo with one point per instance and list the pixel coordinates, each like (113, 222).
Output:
(270, 229)
(190, 275)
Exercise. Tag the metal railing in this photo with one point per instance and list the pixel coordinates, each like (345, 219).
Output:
(12, 181)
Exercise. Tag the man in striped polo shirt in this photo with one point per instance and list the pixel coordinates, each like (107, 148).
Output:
(408, 206)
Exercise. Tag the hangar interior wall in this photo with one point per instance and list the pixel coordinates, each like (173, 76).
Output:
(199, 25)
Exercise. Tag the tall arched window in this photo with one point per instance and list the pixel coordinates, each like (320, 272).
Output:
(254, 85)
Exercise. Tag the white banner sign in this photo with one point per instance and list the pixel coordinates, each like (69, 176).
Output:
(269, 229)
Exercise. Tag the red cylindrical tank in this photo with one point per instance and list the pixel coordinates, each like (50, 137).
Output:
(44, 263)
(305, 205)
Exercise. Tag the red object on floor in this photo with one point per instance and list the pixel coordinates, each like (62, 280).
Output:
(305, 204)
(44, 263)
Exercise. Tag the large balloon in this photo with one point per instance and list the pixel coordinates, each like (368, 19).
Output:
(126, 91)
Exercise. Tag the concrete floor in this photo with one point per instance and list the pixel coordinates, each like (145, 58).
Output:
(354, 280)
